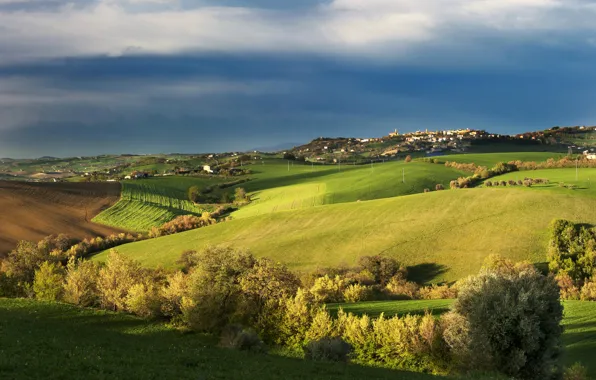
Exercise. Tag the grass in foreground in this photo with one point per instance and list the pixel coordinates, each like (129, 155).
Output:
(58, 341)
(51, 341)
(441, 236)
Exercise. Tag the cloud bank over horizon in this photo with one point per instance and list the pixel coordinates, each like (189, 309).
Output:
(105, 76)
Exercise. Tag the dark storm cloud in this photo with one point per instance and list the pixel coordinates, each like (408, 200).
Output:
(185, 76)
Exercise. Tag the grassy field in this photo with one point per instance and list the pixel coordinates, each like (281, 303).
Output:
(58, 341)
(579, 320)
(442, 236)
(145, 203)
(586, 179)
(491, 159)
(275, 188)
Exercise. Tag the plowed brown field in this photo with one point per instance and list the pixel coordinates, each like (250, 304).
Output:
(31, 211)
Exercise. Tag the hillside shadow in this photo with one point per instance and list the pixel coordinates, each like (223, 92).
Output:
(426, 272)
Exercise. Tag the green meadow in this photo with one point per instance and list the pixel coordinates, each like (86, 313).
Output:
(441, 235)
(275, 188)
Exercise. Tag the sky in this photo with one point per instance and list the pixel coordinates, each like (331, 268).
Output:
(155, 76)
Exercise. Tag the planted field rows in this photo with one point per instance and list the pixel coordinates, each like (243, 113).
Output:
(151, 203)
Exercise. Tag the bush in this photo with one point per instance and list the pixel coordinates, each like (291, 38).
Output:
(399, 288)
(439, 187)
(116, 279)
(437, 292)
(356, 293)
(143, 299)
(328, 349)
(48, 282)
(512, 315)
(488, 183)
(568, 289)
(326, 289)
(172, 294)
(80, 287)
(213, 291)
(382, 268)
(576, 372)
(588, 291)
(238, 338)
(408, 158)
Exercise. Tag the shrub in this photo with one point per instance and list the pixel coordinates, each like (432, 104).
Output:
(382, 268)
(80, 286)
(408, 158)
(143, 299)
(328, 349)
(437, 292)
(240, 195)
(427, 190)
(297, 315)
(356, 293)
(454, 184)
(513, 317)
(588, 291)
(568, 289)
(520, 182)
(576, 372)
(48, 282)
(439, 187)
(238, 338)
(503, 183)
(326, 289)
(213, 288)
(488, 183)
(262, 287)
(399, 288)
(116, 279)
(172, 294)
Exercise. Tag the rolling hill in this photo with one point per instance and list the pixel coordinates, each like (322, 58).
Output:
(441, 235)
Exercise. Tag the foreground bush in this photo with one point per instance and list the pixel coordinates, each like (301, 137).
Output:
(328, 349)
(80, 287)
(48, 282)
(507, 319)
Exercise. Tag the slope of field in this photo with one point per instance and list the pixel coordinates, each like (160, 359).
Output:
(583, 178)
(442, 235)
(152, 202)
(58, 341)
(31, 211)
(579, 320)
(491, 159)
(275, 188)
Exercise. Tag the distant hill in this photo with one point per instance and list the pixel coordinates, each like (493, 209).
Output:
(276, 147)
